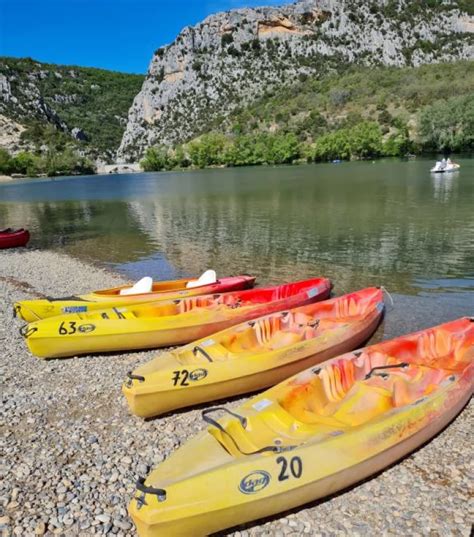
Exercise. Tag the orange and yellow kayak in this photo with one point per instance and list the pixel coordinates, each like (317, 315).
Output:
(254, 354)
(312, 435)
(164, 323)
(34, 310)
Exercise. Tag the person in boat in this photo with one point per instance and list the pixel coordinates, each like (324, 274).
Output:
(443, 164)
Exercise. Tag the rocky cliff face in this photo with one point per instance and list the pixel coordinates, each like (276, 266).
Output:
(87, 106)
(232, 58)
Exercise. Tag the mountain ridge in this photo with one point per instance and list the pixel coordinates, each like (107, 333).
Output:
(231, 59)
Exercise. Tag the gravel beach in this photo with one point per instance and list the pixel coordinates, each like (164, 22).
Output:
(72, 452)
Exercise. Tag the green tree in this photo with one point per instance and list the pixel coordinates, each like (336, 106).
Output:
(398, 144)
(156, 159)
(26, 164)
(448, 125)
(334, 145)
(283, 149)
(6, 164)
(180, 158)
(365, 140)
(208, 150)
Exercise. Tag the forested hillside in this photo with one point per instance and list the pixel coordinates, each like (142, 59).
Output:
(57, 107)
(361, 112)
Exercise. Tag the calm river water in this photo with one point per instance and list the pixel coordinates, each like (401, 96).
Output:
(387, 223)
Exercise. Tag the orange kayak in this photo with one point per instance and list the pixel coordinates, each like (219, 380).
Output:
(312, 435)
(33, 310)
(164, 323)
(254, 354)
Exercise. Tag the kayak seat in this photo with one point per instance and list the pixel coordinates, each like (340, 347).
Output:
(145, 285)
(207, 278)
(188, 304)
(284, 339)
(269, 427)
(342, 390)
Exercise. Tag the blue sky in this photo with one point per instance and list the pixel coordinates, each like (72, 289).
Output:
(113, 34)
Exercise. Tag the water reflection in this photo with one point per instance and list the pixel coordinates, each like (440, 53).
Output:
(388, 223)
(443, 185)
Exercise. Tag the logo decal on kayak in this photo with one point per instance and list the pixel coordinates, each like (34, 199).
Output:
(181, 377)
(254, 482)
(74, 309)
(86, 328)
(198, 374)
(313, 292)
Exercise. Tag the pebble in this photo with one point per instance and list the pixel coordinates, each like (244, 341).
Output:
(74, 452)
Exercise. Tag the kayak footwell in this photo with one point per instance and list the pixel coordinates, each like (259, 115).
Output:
(312, 435)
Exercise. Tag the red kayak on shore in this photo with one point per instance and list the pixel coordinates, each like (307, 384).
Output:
(11, 238)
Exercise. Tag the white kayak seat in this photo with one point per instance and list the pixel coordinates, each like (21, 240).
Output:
(145, 285)
(207, 278)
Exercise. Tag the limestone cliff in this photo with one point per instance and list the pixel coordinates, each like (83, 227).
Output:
(234, 57)
(87, 107)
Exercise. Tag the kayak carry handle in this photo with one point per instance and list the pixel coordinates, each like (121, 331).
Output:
(131, 376)
(243, 421)
(203, 352)
(141, 487)
(206, 418)
(26, 331)
(394, 366)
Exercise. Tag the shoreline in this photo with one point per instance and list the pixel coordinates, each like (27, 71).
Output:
(301, 162)
(73, 452)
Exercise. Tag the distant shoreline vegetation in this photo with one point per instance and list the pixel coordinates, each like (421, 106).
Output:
(445, 128)
(364, 113)
(361, 113)
(51, 163)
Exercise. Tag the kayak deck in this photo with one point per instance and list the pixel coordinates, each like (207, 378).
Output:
(166, 322)
(311, 435)
(253, 354)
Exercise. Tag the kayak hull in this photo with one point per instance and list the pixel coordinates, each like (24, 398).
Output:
(34, 310)
(208, 521)
(14, 239)
(153, 404)
(274, 460)
(170, 384)
(164, 323)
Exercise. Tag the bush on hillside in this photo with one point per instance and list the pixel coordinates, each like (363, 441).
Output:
(448, 125)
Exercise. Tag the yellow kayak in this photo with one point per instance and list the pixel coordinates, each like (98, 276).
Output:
(312, 435)
(164, 323)
(253, 355)
(33, 310)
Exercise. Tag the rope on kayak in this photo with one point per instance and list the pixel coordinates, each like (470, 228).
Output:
(385, 290)
(385, 375)
(243, 422)
(202, 351)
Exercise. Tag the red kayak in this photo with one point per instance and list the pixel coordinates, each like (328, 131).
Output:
(11, 238)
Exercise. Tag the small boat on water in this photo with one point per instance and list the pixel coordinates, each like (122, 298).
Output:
(312, 435)
(253, 355)
(445, 166)
(164, 323)
(12, 238)
(143, 291)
